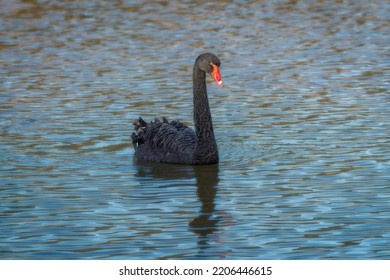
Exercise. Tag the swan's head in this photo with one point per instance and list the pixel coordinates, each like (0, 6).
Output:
(210, 63)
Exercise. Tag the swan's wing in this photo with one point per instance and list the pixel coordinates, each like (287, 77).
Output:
(164, 141)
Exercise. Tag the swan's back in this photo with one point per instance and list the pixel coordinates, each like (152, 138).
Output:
(164, 141)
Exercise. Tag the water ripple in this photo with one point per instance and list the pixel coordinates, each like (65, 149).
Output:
(302, 127)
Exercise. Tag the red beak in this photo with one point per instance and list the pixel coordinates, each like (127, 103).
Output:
(216, 75)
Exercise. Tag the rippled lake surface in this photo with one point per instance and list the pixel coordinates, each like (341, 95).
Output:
(302, 125)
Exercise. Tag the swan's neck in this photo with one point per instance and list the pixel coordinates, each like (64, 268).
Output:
(206, 148)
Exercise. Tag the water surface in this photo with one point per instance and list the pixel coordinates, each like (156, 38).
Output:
(302, 125)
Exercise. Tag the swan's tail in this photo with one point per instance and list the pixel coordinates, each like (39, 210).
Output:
(139, 126)
(145, 131)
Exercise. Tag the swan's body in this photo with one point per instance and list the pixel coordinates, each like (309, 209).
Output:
(174, 142)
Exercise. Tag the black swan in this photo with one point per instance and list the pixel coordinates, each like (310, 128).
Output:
(174, 142)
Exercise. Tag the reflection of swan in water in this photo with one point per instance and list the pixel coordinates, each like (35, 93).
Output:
(207, 179)
(163, 171)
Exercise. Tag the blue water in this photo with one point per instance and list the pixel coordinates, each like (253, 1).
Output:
(302, 126)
